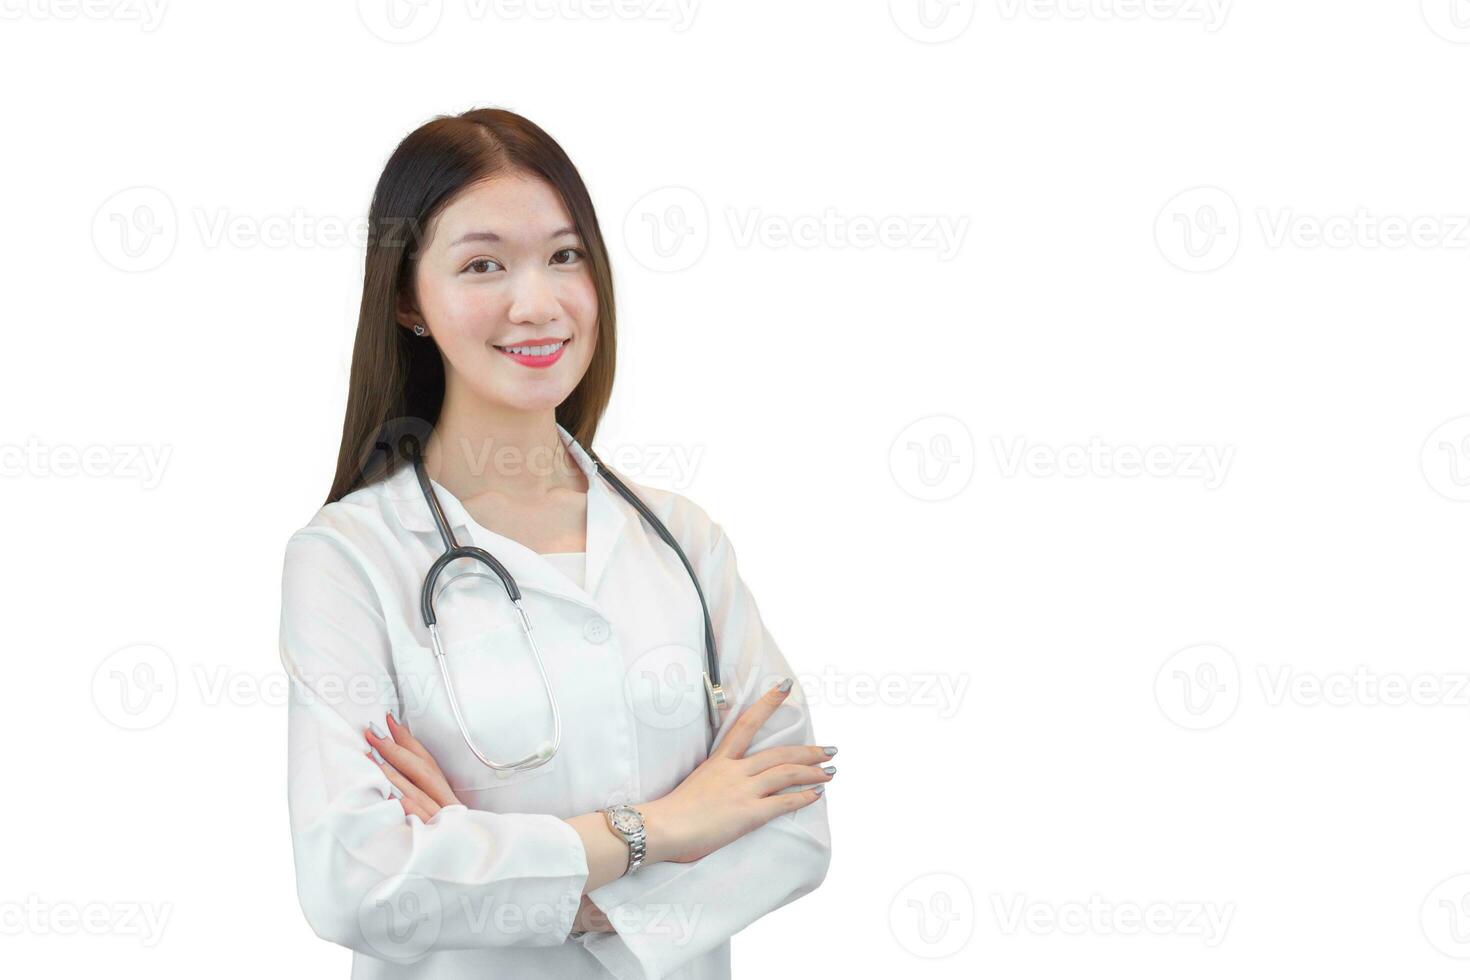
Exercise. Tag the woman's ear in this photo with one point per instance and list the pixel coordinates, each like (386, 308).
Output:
(407, 316)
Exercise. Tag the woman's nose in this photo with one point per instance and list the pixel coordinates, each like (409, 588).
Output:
(534, 299)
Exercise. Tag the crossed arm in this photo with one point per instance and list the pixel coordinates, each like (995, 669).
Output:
(727, 796)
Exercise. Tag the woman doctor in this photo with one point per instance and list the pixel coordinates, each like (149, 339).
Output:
(486, 346)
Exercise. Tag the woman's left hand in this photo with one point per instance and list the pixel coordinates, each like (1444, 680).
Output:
(590, 918)
(412, 769)
(425, 791)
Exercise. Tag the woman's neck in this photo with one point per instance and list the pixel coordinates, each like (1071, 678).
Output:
(518, 456)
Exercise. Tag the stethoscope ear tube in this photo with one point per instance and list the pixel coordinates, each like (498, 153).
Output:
(714, 694)
(540, 757)
(426, 596)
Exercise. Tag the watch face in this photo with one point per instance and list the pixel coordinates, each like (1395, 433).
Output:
(627, 819)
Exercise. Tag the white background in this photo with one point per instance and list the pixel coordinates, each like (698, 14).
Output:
(1229, 702)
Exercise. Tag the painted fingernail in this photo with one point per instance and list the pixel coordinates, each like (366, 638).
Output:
(819, 790)
(785, 685)
(377, 729)
(373, 754)
(829, 770)
(830, 750)
(394, 792)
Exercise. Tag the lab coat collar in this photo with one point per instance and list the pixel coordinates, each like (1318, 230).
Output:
(607, 514)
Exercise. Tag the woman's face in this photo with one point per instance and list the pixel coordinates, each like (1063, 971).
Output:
(505, 268)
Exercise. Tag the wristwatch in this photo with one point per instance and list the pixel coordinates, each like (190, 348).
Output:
(627, 823)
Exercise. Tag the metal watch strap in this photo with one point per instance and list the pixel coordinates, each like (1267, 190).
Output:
(637, 841)
(637, 848)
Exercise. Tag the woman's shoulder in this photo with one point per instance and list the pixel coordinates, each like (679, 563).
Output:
(352, 524)
(689, 523)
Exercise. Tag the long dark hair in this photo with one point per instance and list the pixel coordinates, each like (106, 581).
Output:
(396, 387)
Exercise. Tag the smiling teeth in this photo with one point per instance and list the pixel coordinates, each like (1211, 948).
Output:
(538, 351)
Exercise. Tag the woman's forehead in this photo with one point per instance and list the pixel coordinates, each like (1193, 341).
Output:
(507, 208)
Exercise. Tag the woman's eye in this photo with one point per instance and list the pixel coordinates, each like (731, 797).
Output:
(477, 265)
(576, 252)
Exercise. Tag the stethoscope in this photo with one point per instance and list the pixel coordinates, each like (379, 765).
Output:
(714, 694)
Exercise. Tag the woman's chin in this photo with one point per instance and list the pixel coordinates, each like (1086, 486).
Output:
(530, 398)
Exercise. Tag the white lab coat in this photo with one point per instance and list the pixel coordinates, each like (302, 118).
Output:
(490, 888)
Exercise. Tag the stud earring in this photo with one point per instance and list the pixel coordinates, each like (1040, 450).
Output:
(418, 329)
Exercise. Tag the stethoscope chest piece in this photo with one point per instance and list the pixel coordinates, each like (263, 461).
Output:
(715, 695)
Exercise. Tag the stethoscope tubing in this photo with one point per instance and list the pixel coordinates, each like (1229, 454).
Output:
(453, 551)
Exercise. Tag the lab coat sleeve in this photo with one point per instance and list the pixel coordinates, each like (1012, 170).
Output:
(668, 913)
(367, 876)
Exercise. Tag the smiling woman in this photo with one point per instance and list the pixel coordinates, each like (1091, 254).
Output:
(522, 293)
(483, 361)
(482, 231)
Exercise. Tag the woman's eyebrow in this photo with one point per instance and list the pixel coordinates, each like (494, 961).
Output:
(490, 236)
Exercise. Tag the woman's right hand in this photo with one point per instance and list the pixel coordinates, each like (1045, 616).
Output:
(729, 795)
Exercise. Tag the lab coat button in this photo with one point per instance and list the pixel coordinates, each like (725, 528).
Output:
(597, 630)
